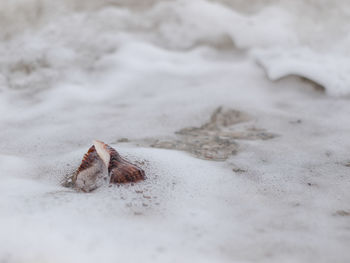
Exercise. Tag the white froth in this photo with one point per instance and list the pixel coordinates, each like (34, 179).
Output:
(73, 70)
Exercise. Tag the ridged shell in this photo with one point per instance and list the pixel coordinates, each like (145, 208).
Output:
(93, 165)
(88, 159)
(120, 169)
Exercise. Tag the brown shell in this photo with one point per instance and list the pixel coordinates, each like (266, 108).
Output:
(88, 158)
(87, 161)
(121, 170)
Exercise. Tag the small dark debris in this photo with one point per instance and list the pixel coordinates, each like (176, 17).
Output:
(238, 170)
(296, 121)
(138, 213)
(123, 140)
(311, 184)
(342, 213)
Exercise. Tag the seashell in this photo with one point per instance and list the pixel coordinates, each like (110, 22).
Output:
(103, 164)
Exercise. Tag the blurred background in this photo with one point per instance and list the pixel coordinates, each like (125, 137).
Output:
(237, 110)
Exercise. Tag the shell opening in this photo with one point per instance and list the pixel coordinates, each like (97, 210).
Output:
(102, 152)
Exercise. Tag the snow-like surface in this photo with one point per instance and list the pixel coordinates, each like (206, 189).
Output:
(74, 71)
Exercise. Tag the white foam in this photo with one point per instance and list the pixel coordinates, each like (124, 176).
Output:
(72, 71)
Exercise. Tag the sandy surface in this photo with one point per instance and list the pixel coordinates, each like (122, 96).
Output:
(240, 168)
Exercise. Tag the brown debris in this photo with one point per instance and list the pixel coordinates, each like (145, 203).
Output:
(216, 139)
(342, 213)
